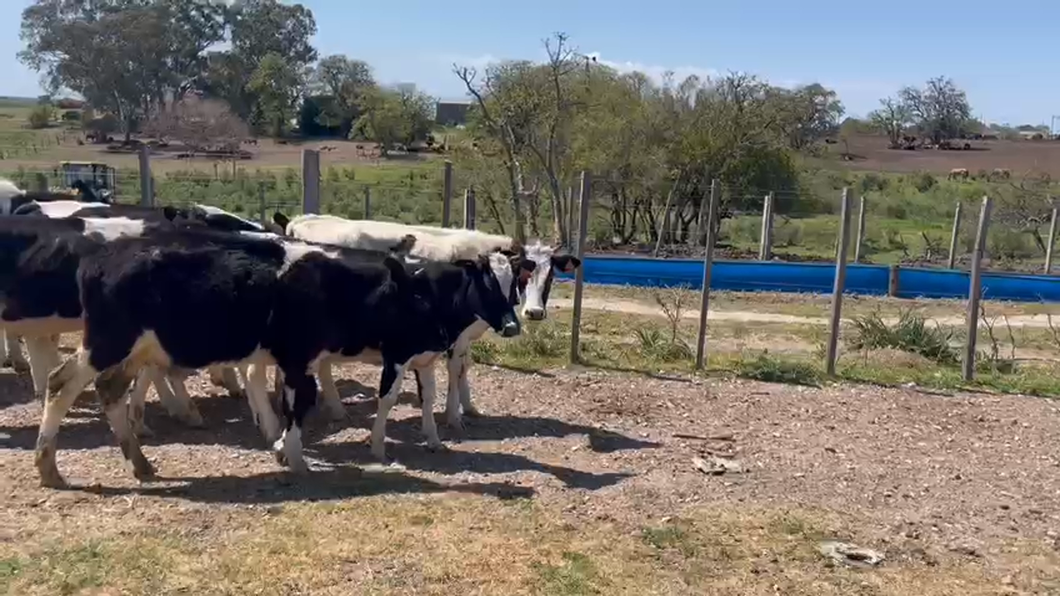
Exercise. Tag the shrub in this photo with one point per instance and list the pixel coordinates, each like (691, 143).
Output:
(770, 369)
(41, 116)
(909, 334)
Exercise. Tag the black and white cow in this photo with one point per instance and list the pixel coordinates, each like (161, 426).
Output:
(12, 197)
(38, 291)
(171, 389)
(190, 299)
(535, 265)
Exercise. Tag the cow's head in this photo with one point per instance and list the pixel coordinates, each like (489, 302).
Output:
(535, 282)
(513, 271)
(409, 302)
(281, 221)
(488, 294)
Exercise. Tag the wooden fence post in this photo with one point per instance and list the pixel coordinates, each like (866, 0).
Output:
(859, 236)
(310, 181)
(570, 216)
(765, 240)
(840, 284)
(953, 236)
(708, 265)
(469, 208)
(1052, 236)
(584, 197)
(975, 290)
(147, 191)
(447, 194)
(893, 280)
(261, 204)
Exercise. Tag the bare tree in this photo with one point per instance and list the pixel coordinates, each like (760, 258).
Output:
(501, 127)
(199, 124)
(891, 118)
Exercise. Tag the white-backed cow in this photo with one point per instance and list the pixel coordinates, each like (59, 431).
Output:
(192, 298)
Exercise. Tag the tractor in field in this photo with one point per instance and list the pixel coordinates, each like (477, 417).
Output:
(95, 181)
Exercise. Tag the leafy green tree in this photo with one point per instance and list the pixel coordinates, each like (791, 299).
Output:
(258, 28)
(807, 114)
(345, 83)
(277, 84)
(122, 56)
(392, 117)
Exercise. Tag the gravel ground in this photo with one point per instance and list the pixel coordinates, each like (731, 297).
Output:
(908, 472)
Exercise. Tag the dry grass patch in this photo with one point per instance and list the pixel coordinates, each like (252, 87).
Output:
(476, 545)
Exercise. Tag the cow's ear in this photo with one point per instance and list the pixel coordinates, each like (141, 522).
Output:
(566, 263)
(281, 220)
(170, 212)
(398, 273)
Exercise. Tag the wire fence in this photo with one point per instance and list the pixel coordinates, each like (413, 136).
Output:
(660, 220)
(602, 215)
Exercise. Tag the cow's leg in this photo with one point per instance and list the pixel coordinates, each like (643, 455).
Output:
(389, 387)
(299, 396)
(137, 398)
(43, 358)
(453, 365)
(427, 389)
(465, 386)
(329, 393)
(111, 386)
(261, 407)
(184, 407)
(225, 376)
(3, 347)
(14, 353)
(174, 396)
(65, 383)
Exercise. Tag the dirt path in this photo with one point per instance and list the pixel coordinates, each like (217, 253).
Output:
(640, 308)
(932, 481)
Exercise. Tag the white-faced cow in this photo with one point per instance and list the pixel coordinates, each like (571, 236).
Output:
(533, 269)
(193, 298)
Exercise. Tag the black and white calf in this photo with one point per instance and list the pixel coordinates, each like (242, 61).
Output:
(533, 269)
(190, 299)
(171, 389)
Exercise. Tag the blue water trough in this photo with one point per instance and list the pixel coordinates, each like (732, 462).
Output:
(758, 276)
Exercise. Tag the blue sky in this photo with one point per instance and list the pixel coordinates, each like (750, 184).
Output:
(1004, 55)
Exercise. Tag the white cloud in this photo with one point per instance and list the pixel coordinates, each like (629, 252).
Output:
(655, 71)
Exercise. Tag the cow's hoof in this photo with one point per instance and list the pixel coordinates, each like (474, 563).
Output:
(143, 470)
(143, 430)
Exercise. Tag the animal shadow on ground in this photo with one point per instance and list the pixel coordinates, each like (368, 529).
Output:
(340, 482)
(15, 388)
(495, 428)
(446, 461)
(228, 421)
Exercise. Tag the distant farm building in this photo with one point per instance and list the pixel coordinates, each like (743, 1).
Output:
(451, 113)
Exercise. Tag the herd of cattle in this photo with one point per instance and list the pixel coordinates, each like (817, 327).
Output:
(161, 292)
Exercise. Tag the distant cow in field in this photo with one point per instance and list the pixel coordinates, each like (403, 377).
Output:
(1000, 174)
(958, 174)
